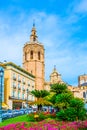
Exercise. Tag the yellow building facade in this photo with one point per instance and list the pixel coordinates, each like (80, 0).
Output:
(18, 85)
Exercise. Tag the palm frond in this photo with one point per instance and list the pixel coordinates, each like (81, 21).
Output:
(41, 101)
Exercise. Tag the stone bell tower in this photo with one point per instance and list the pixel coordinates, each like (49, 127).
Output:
(33, 59)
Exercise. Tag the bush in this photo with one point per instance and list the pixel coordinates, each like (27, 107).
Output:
(78, 108)
(41, 116)
(70, 114)
(37, 116)
(44, 115)
(74, 112)
(31, 117)
(61, 115)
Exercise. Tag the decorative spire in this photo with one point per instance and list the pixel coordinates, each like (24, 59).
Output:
(33, 23)
(33, 36)
(54, 67)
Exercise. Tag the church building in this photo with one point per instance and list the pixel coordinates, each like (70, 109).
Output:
(34, 62)
(33, 59)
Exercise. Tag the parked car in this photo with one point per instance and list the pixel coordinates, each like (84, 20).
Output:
(22, 111)
(34, 110)
(30, 110)
(4, 114)
(10, 113)
(16, 112)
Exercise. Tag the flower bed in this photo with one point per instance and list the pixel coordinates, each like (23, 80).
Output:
(33, 117)
(47, 125)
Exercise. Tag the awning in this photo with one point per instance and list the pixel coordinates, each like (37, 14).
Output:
(4, 105)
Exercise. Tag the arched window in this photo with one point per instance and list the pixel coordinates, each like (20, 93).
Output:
(31, 55)
(25, 56)
(39, 55)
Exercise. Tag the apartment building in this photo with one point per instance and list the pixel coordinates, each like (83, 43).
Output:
(18, 85)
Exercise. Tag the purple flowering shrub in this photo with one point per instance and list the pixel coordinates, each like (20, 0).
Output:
(47, 125)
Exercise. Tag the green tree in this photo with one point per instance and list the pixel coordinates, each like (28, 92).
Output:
(59, 88)
(63, 100)
(70, 108)
(78, 105)
(40, 101)
(61, 93)
(75, 111)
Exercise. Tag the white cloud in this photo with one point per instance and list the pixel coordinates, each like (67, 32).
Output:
(81, 7)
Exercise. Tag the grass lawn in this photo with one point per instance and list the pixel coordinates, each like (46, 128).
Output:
(22, 118)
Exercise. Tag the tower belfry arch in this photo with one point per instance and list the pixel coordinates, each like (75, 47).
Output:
(33, 59)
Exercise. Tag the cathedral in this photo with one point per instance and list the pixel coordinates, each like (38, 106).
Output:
(34, 62)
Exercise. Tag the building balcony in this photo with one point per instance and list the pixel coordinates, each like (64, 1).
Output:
(13, 97)
(19, 88)
(28, 84)
(27, 90)
(25, 99)
(14, 77)
(17, 98)
(19, 80)
(23, 82)
(23, 89)
(14, 86)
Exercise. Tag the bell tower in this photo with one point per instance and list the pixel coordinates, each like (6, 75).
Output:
(33, 59)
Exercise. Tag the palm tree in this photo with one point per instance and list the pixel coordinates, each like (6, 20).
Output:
(58, 88)
(63, 100)
(40, 95)
(61, 95)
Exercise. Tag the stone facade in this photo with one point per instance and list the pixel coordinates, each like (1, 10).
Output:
(55, 77)
(79, 92)
(33, 59)
(82, 80)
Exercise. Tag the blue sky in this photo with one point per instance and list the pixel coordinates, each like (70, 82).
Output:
(61, 27)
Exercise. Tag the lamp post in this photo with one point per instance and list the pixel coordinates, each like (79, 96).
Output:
(27, 101)
(1, 85)
(27, 98)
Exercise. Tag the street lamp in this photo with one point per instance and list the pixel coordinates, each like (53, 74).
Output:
(27, 101)
(27, 98)
(1, 85)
